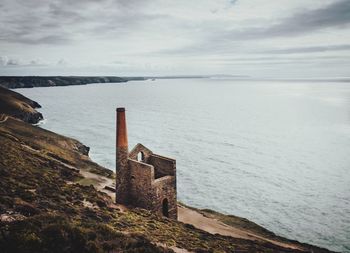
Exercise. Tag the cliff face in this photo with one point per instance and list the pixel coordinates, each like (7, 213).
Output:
(18, 106)
(13, 82)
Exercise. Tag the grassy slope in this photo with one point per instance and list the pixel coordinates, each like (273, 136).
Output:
(52, 146)
(41, 212)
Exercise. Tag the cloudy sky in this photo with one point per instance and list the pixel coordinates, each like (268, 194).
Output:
(262, 38)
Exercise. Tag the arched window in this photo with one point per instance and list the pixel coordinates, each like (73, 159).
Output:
(165, 208)
(140, 156)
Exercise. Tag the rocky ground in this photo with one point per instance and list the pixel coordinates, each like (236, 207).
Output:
(53, 199)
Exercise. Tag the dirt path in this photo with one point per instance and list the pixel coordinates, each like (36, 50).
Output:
(99, 182)
(210, 225)
(214, 226)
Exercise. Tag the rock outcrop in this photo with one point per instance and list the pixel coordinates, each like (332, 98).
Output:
(19, 106)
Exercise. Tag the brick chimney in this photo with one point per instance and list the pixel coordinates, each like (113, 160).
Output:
(122, 169)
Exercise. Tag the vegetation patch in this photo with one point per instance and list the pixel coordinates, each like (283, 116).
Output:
(57, 233)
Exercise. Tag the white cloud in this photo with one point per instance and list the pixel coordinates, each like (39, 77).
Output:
(174, 37)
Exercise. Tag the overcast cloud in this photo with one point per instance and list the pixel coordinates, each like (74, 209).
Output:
(282, 38)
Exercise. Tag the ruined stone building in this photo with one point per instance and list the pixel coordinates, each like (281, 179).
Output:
(144, 179)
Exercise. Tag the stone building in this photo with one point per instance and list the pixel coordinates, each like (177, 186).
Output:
(144, 179)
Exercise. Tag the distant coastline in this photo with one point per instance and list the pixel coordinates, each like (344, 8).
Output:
(15, 82)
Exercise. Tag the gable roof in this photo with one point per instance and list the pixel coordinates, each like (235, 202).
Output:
(138, 148)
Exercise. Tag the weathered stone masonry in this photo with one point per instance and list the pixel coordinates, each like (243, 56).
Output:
(144, 179)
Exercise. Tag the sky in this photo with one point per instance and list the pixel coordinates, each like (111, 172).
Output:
(257, 38)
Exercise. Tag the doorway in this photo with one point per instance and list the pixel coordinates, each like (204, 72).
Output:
(165, 208)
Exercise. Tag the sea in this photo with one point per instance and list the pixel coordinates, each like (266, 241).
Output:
(276, 152)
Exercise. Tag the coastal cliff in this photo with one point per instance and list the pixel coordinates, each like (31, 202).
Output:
(53, 198)
(18, 106)
(13, 82)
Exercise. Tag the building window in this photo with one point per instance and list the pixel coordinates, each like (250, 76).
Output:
(140, 156)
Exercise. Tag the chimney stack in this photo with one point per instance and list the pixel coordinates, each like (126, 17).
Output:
(122, 169)
(122, 135)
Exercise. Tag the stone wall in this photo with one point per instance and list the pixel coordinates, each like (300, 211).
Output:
(149, 182)
(165, 188)
(150, 193)
(141, 183)
(163, 166)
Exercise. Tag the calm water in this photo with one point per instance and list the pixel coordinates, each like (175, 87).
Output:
(277, 153)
